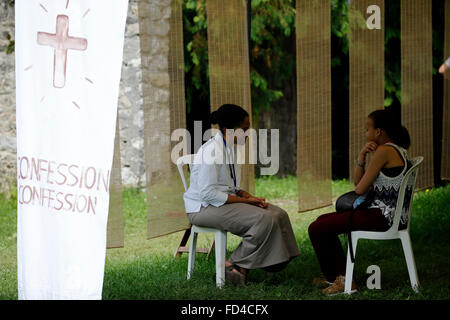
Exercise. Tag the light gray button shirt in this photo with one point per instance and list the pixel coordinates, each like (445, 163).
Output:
(210, 180)
(447, 62)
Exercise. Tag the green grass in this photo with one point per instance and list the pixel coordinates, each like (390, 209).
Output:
(146, 269)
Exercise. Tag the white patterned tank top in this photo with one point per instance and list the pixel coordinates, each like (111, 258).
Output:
(386, 190)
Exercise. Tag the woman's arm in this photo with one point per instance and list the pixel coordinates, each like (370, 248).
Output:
(359, 169)
(251, 199)
(210, 194)
(361, 161)
(207, 182)
(243, 194)
(379, 159)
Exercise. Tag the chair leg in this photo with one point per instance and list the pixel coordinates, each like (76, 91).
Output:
(350, 266)
(411, 264)
(221, 246)
(192, 251)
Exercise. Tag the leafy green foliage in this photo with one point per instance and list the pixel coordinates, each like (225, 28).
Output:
(272, 53)
(392, 75)
(272, 48)
(195, 52)
(340, 26)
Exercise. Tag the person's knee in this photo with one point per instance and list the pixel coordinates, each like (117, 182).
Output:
(314, 229)
(279, 214)
(282, 214)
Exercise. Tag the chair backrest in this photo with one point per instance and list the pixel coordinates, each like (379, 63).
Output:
(406, 194)
(181, 161)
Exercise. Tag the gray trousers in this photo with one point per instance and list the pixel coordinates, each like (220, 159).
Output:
(267, 235)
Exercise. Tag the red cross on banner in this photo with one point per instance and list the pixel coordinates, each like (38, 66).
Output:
(62, 42)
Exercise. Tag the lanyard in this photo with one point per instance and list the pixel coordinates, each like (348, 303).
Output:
(231, 165)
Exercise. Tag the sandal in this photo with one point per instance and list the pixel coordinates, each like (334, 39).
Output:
(321, 281)
(233, 274)
(338, 287)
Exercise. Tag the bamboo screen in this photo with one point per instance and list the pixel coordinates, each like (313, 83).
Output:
(115, 232)
(366, 72)
(162, 115)
(313, 103)
(417, 88)
(229, 67)
(445, 164)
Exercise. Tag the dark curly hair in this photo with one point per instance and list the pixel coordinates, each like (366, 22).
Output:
(228, 116)
(391, 124)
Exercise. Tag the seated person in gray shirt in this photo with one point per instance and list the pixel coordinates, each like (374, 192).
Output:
(214, 199)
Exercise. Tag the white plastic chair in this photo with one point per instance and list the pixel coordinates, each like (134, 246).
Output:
(409, 181)
(220, 237)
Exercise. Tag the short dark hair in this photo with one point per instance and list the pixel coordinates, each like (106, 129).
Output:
(228, 116)
(391, 124)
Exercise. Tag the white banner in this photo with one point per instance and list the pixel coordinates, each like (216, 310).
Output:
(68, 66)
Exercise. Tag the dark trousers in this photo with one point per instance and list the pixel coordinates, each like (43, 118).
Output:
(324, 236)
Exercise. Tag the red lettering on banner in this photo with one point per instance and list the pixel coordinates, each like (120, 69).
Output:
(78, 202)
(60, 202)
(21, 166)
(67, 201)
(35, 195)
(90, 205)
(41, 168)
(23, 195)
(49, 172)
(86, 178)
(105, 182)
(19, 192)
(61, 174)
(81, 178)
(41, 172)
(73, 175)
(35, 166)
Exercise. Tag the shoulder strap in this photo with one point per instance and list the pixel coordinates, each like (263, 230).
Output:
(402, 153)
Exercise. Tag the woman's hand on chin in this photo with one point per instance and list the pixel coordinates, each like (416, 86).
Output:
(370, 146)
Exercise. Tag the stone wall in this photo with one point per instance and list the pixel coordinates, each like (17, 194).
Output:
(131, 119)
(7, 100)
(130, 96)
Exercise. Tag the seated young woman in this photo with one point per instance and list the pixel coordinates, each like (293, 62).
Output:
(215, 200)
(387, 140)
